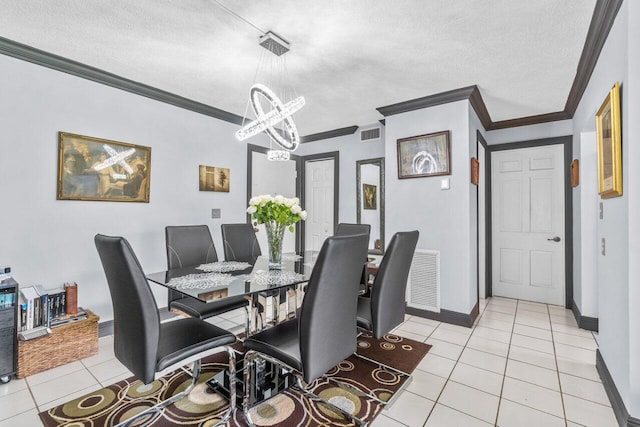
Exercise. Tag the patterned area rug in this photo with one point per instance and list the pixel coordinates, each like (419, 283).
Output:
(202, 408)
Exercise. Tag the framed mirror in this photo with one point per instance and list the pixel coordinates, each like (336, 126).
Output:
(370, 200)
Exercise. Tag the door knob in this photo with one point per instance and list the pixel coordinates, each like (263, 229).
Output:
(555, 239)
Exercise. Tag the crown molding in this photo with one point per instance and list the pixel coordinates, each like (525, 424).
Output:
(604, 15)
(530, 120)
(428, 101)
(603, 18)
(65, 65)
(329, 134)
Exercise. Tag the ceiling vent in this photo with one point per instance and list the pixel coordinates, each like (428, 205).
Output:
(371, 134)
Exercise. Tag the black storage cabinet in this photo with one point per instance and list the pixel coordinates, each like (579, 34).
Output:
(8, 329)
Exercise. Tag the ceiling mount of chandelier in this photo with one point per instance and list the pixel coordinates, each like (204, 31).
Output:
(280, 109)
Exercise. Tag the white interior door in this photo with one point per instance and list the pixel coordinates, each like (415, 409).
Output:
(318, 202)
(273, 178)
(527, 192)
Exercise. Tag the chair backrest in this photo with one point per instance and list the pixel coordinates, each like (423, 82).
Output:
(240, 243)
(327, 319)
(346, 229)
(189, 245)
(389, 287)
(136, 323)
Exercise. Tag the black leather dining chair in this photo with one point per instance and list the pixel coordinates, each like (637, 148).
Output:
(385, 309)
(347, 229)
(141, 343)
(189, 246)
(240, 243)
(325, 332)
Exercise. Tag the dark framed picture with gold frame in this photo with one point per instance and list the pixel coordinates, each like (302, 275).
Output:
(98, 169)
(609, 145)
(370, 199)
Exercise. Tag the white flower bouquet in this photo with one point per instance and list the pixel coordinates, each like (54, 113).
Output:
(281, 210)
(277, 214)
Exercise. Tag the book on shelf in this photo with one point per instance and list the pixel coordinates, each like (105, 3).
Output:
(81, 314)
(43, 312)
(72, 297)
(30, 298)
(37, 332)
(57, 303)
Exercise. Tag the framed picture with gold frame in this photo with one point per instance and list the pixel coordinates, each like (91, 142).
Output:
(609, 145)
(98, 169)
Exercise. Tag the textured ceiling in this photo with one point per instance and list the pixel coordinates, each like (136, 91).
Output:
(347, 57)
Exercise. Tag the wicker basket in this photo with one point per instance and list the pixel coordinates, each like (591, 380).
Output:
(63, 345)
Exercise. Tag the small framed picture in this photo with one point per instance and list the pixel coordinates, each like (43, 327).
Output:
(575, 173)
(370, 199)
(213, 178)
(101, 170)
(475, 171)
(424, 155)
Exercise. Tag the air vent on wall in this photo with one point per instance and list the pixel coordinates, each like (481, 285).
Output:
(371, 134)
(423, 286)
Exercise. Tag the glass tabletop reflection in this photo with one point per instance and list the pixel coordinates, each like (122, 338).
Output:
(215, 281)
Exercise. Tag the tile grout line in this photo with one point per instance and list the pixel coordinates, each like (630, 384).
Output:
(504, 375)
(555, 359)
(537, 385)
(473, 327)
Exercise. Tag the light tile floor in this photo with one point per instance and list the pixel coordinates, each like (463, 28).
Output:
(522, 364)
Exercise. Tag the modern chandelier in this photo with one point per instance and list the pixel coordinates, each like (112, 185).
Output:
(279, 96)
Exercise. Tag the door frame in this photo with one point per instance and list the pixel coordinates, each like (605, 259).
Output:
(251, 148)
(331, 155)
(485, 177)
(567, 142)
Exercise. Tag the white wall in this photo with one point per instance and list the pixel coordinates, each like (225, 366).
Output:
(48, 242)
(613, 288)
(441, 216)
(586, 245)
(633, 193)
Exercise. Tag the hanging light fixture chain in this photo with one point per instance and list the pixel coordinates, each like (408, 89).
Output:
(232, 13)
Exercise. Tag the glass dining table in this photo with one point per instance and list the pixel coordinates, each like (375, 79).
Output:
(219, 280)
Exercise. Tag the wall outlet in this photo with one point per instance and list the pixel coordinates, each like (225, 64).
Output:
(216, 213)
(603, 247)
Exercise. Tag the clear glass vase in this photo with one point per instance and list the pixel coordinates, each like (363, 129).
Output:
(275, 235)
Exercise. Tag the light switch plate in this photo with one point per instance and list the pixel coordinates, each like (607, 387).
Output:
(603, 247)
(216, 213)
(444, 184)
(601, 211)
